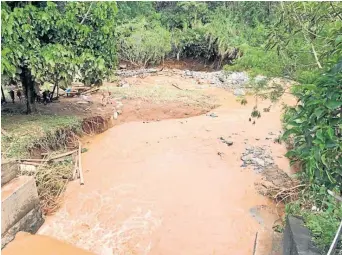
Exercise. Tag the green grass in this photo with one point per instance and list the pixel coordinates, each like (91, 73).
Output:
(27, 131)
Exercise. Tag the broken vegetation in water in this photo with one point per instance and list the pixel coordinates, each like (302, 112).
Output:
(51, 181)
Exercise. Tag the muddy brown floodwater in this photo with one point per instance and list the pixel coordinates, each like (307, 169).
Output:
(162, 187)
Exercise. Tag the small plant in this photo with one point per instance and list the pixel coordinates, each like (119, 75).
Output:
(243, 101)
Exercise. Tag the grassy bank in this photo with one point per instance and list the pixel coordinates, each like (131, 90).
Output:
(26, 133)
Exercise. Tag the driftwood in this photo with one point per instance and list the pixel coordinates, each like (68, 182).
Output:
(33, 160)
(80, 172)
(63, 154)
(176, 86)
(90, 91)
(31, 163)
(48, 159)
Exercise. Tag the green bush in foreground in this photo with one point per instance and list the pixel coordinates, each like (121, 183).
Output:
(315, 125)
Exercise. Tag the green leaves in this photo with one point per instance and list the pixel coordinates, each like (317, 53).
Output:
(317, 119)
(333, 104)
(50, 40)
(143, 43)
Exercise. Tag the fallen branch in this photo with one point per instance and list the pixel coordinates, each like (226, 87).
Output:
(33, 160)
(63, 155)
(80, 172)
(289, 189)
(90, 91)
(176, 86)
(48, 159)
(31, 163)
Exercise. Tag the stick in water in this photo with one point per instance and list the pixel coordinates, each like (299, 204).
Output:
(80, 163)
(75, 168)
(255, 243)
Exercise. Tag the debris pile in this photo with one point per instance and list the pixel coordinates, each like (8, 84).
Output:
(258, 157)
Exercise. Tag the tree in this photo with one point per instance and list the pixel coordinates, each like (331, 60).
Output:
(141, 42)
(314, 125)
(49, 42)
(308, 27)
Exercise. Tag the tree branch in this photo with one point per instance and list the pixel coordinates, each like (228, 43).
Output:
(85, 16)
(315, 55)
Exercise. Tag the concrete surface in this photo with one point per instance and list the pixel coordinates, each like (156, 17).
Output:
(9, 170)
(297, 238)
(31, 222)
(19, 206)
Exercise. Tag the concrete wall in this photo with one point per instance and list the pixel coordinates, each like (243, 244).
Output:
(297, 238)
(20, 209)
(9, 170)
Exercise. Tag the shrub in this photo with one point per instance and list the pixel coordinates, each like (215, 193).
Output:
(315, 126)
(142, 43)
(256, 61)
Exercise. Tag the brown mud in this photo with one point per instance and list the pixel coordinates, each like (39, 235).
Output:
(160, 185)
(172, 187)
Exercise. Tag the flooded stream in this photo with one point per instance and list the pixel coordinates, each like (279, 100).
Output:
(173, 187)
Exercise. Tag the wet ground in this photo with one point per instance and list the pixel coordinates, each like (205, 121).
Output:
(172, 186)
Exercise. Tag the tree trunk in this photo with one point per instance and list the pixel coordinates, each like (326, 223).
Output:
(28, 84)
(54, 88)
(3, 95)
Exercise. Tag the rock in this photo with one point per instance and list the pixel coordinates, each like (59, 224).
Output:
(268, 161)
(213, 115)
(125, 85)
(239, 92)
(258, 161)
(122, 66)
(248, 147)
(115, 115)
(188, 73)
(246, 158)
(221, 79)
(82, 102)
(259, 78)
(229, 143)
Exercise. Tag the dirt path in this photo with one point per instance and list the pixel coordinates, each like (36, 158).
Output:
(172, 187)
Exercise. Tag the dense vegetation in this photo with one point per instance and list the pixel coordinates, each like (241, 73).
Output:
(299, 40)
(46, 41)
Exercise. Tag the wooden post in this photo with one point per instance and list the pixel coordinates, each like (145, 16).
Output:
(80, 163)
